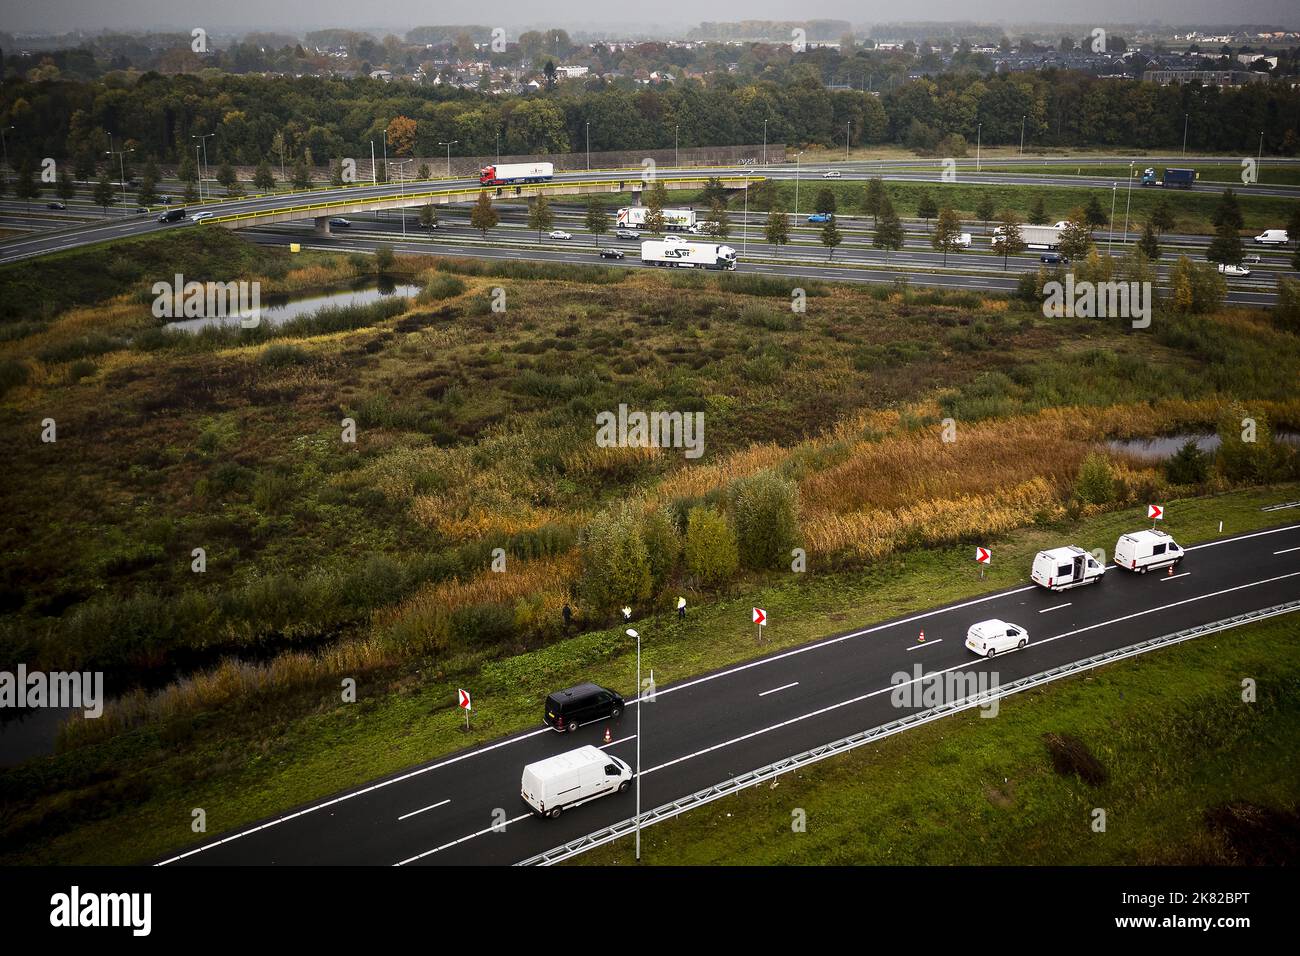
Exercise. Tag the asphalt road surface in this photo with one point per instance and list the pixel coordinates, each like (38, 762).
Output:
(700, 731)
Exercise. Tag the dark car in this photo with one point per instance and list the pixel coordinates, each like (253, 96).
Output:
(1053, 259)
(567, 710)
(56, 205)
(340, 223)
(172, 215)
(626, 234)
(166, 200)
(612, 254)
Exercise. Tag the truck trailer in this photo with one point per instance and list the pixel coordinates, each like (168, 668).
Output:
(634, 217)
(688, 255)
(1036, 237)
(1182, 178)
(504, 174)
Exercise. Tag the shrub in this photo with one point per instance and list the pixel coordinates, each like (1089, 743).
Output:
(615, 562)
(663, 546)
(765, 508)
(1096, 483)
(1188, 466)
(281, 354)
(440, 287)
(711, 555)
(12, 374)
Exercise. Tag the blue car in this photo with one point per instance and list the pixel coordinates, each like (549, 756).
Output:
(820, 217)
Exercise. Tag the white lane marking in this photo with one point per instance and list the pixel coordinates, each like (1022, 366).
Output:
(1286, 550)
(1172, 577)
(1056, 608)
(937, 640)
(892, 687)
(775, 689)
(668, 690)
(438, 849)
(615, 743)
(432, 806)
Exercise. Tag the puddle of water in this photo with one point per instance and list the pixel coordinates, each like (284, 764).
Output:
(1166, 445)
(279, 309)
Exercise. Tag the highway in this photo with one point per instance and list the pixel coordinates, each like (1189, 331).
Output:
(700, 731)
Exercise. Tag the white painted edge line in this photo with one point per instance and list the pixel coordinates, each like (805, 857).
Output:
(432, 806)
(1056, 608)
(1286, 551)
(937, 640)
(667, 690)
(776, 689)
(445, 846)
(1174, 577)
(621, 740)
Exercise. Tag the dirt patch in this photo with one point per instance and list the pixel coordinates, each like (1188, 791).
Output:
(1255, 835)
(1070, 755)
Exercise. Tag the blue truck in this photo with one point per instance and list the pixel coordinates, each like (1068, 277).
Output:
(1182, 178)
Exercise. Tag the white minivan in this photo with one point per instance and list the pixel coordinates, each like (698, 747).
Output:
(991, 637)
(570, 779)
(1146, 549)
(1067, 567)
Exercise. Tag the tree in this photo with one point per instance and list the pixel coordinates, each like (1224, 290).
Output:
(1008, 239)
(1293, 226)
(663, 547)
(1162, 217)
(984, 209)
(66, 187)
(872, 199)
(889, 233)
(1148, 243)
(301, 174)
(1095, 484)
(540, 216)
(713, 191)
(721, 223)
(947, 232)
(104, 194)
(226, 177)
(597, 218)
(615, 563)
(777, 228)
(1093, 214)
(1228, 212)
(264, 179)
(1076, 238)
(401, 135)
(336, 173)
(654, 218)
(188, 171)
(825, 200)
(147, 194)
(385, 259)
(1247, 451)
(765, 510)
(1037, 212)
(711, 554)
(926, 208)
(483, 217)
(831, 237)
(1188, 466)
(428, 216)
(26, 187)
(1225, 247)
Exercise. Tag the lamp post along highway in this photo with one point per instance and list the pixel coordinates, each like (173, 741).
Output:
(449, 146)
(676, 158)
(587, 125)
(796, 185)
(979, 135)
(635, 634)
(764, 145)
(401, 182)
(1128, 198)
(1186, 120)
(374, 176)
(203, 141)
(744, 226)
(1022, 136)
(1111, 237)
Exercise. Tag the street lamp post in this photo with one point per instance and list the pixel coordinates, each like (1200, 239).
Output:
(744, 228)
(676, 158)
(848, 132)
(587, 124)
(1186, 119)
(121, 158)
(1128, 198)
(203, 140)
(449, 146)
(199, 169)
(1111, 238)
(1259, 161)
(401, 180)
(1022, 136)
(385, 155)
(979, 135)
(764, 145)
(796, 184)
(633, 633)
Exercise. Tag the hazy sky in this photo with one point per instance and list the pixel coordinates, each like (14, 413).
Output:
(398, 15)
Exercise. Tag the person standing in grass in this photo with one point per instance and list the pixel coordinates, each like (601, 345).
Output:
(681, 608)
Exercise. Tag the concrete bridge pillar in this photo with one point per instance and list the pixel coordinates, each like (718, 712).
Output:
(323, 226)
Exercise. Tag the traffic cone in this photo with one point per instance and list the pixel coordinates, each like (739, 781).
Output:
(1171, 570)
(923, 637)
(608, 738)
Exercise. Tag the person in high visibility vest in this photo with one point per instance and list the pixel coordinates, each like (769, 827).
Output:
(681, 608)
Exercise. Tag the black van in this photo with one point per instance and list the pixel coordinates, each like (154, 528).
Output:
(172, 215)
(566, 710)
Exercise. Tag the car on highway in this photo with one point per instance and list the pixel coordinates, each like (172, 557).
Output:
(172, 215)
(1054, 259)
(821, 217)
(612, 254)
(964, 240)
(200, 216)
(671, 238)
(1253, 258)
(831, 174)
(338, 222)
(568, 780)
(1228, 269)
(1149, 548)
(1273, 237)
(992, 637)
(568, 709)
(1068, 567)
(560, 234)
(626, 234)
(166, 200)
(56, 205)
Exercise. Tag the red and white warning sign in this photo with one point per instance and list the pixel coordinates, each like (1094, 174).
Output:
(983, 556)
(463, 701)
(760, 616)
(1156, 512)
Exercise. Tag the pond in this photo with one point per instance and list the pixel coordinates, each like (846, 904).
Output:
(1163, 446)
(278, 309)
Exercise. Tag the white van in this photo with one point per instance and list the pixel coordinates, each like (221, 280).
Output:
(964, 240)
(1066, 567)
(1146, 549)
(991, 637)
(1273, 237)
(570, 779)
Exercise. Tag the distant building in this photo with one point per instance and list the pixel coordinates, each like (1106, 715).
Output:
(1204, 77)
(384, 75)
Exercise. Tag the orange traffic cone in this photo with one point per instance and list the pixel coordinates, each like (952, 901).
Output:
(923, 637)
(608, 738)
(1171, 570)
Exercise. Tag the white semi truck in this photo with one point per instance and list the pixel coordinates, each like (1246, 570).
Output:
(634, 217)
(1036, 237)
(504, 173)
(687, 255)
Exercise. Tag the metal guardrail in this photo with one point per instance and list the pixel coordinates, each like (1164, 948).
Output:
(1288, 504)
(754, 777)
(467, 192)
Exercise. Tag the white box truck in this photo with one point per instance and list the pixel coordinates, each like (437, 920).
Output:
(504, 173)
(1067, 567)
(1035, 237)
(1146, 549)
(567, 780)
(634, 217)
(687, 255)
(1273, 237)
